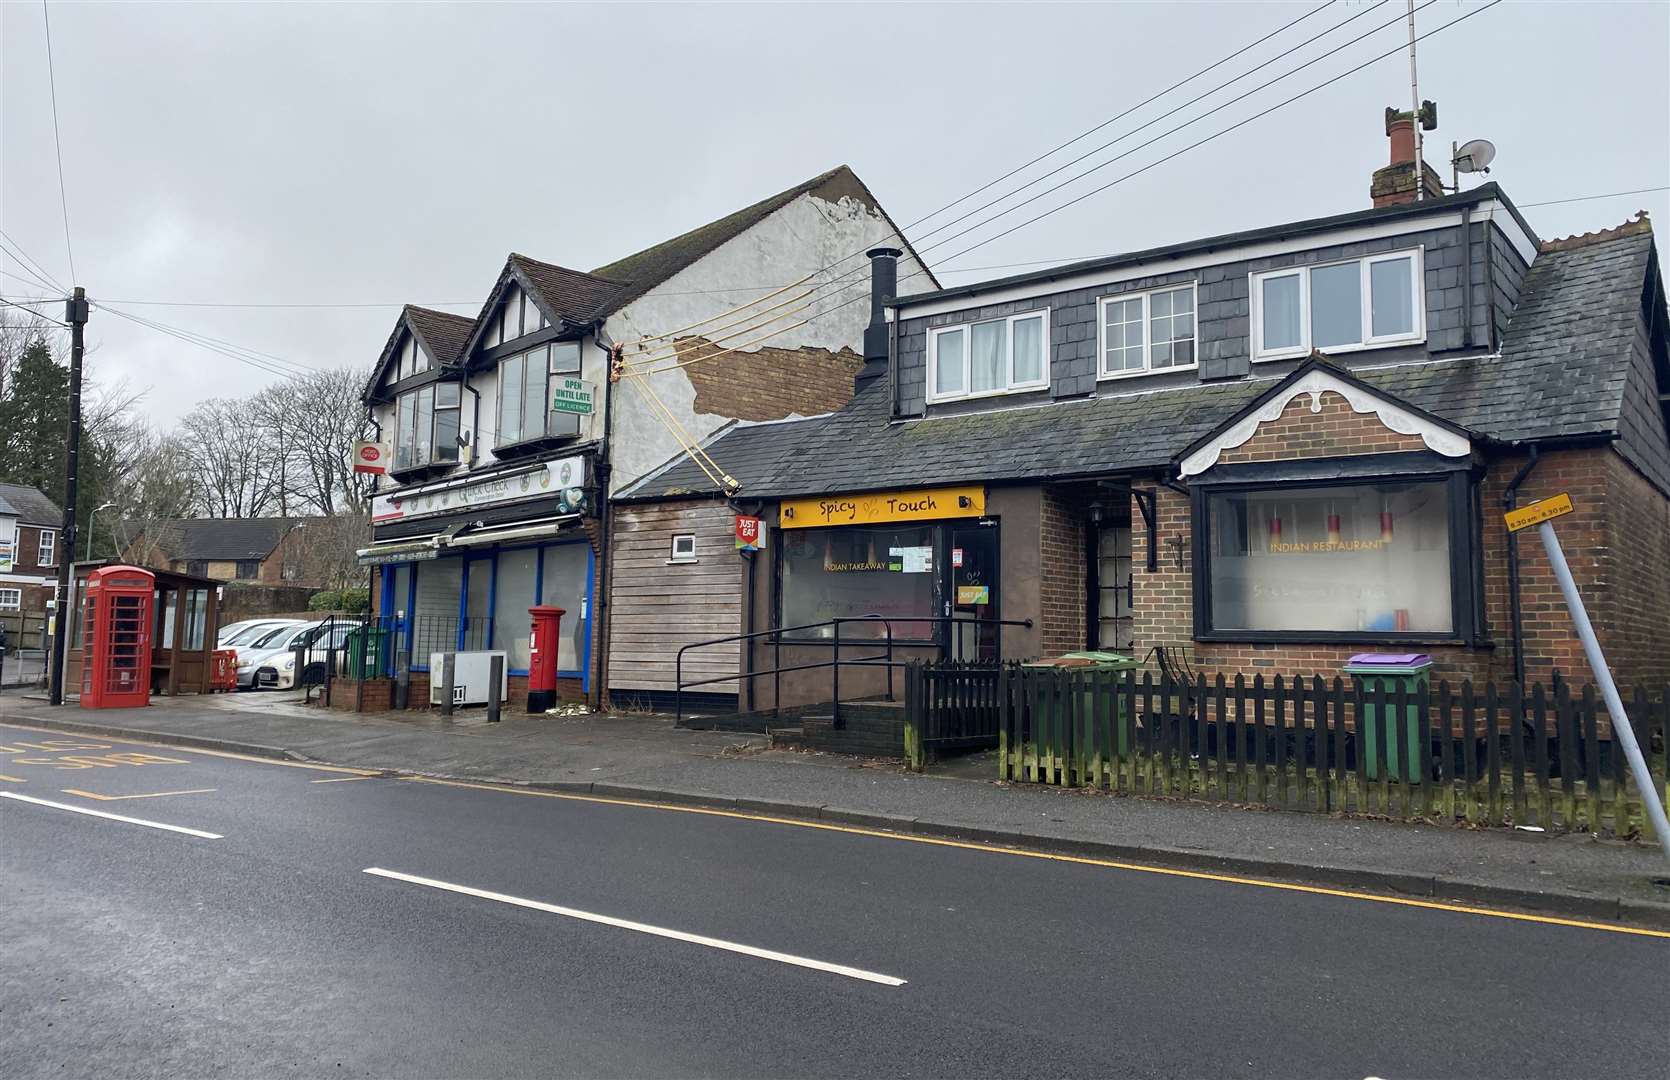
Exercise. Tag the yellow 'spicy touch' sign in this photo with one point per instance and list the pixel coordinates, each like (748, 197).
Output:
(883, 506)
(1538, 512)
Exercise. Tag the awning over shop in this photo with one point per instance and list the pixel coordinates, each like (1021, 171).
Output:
(534, 531)
(409, 551)
(431, 547)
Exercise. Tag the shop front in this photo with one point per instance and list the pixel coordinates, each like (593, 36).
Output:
(937, 573)
(459, 564)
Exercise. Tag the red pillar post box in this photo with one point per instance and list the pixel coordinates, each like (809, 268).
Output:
(116, 638)
(543, 643)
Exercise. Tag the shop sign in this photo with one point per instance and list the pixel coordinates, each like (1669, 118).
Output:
(928, 504)
(1538, 512)
(749, 535)
(371, 457)
(573, 396)
(402, 553)
(564, 477)
(973, 595)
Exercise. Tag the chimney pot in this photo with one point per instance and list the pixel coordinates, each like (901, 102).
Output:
(884, 283)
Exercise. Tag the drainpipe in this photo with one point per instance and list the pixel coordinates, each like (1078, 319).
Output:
(1510, 499)
(600, 601)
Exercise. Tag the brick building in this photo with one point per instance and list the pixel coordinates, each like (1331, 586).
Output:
(257, 551)
(1268, 450)
(29, 530)
(507, 434)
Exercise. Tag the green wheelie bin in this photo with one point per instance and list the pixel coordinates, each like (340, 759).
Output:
(1412, 671)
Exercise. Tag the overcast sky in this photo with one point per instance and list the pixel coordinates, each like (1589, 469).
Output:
(383, 153)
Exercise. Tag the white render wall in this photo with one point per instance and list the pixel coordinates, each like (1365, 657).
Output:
(803, 236)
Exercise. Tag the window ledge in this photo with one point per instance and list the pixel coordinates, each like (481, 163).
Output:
(1335, 637)
(684, 561)
(529, 447)
(418, 473)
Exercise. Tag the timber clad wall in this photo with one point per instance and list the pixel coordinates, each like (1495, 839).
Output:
(658, 606)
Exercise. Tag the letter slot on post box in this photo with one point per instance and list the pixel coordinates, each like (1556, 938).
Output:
(543, 644)
(116, 637)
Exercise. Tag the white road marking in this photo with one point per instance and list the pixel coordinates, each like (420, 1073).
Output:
(113, 817)
(644, 928)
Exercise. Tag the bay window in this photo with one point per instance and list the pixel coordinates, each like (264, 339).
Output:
(993, 357)
(525, 394)
(426, 426)
(1150, 331)
(1338, 307)
(1367, 560)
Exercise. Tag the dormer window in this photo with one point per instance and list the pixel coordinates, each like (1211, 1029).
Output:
(985, 358)
(525, 394)
(426, 426)
(1338, 307)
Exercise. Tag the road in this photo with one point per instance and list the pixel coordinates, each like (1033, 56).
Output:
(511, 933)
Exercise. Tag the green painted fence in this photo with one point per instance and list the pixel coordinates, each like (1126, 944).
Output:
(1496, 756)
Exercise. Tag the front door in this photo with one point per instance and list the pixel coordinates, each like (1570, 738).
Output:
(974, 592)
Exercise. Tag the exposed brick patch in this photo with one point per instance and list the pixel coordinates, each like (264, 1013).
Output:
(768, 383)
(1334, 431)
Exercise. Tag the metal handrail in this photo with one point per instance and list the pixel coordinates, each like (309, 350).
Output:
(835, 662)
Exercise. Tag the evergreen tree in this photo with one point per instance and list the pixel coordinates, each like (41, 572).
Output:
(34, 421)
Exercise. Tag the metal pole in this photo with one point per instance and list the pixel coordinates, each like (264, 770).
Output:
(495, 675)
(1650, 794)
(75, 313)
(448, 670)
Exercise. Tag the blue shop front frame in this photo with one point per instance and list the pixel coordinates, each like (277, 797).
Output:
(401, 609)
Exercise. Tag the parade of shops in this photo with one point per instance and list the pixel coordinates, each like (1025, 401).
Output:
(1257, 454)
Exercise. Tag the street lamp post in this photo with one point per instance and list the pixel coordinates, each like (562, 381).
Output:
(90, 517)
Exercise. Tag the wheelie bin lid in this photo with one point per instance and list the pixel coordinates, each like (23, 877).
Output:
(1370, 663)
(1090, 659)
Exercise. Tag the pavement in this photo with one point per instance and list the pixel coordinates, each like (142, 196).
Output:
(644, 757)
(177, 912)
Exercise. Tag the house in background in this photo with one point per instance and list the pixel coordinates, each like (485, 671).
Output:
(496, 499)
(29, 528)
(258, 551)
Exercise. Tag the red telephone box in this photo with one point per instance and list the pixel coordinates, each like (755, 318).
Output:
(116, 637)
(543, 643)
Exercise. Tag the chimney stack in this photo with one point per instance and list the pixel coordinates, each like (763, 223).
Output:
(1396, 182)
(884, 283)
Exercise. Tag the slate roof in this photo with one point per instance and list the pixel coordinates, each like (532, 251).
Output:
(213, 539)
(29, 505)
(1565, 364)
(753, 453)
(444, 332)
(572, 295)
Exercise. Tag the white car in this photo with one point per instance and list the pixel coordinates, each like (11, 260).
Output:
(270, 660)
(233, 635)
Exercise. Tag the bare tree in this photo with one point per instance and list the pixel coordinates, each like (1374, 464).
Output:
(313, 422)
(232, 459)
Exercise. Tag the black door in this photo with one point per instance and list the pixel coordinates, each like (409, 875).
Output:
(973, 595)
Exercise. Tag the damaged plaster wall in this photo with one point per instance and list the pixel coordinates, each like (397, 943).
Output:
(809, 233)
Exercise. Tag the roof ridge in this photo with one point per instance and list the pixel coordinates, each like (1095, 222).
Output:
(567, 269)
(1639, 225)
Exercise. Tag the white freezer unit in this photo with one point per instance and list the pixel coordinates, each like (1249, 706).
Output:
(470, 677)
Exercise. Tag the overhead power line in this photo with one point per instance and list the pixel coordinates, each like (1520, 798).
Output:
(1589, 198)
(32, 311)
(1201, 142)
(57, 141)
(37, 273)
(265, 362)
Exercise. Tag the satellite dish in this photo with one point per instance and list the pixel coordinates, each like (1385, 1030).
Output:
(1475, 156)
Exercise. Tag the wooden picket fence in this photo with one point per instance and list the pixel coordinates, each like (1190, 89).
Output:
(1498, 756)
(951, 705)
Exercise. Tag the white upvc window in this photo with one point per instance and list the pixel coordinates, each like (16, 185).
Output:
(1140, 333)
(998, 356)
(48, 551)
(1339, 307)
(684, 548)
(11, 599)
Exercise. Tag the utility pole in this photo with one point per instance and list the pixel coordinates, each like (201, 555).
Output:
(75, 313)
